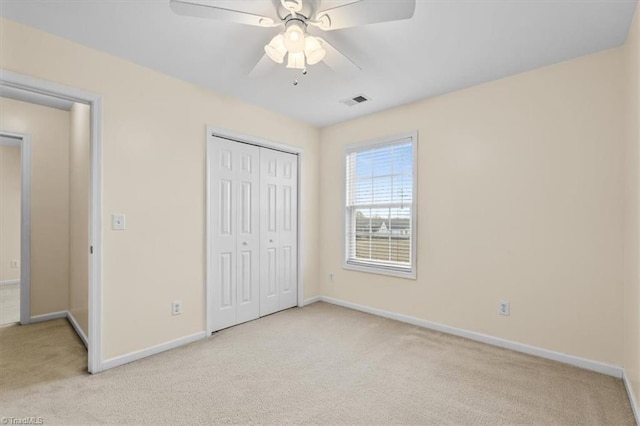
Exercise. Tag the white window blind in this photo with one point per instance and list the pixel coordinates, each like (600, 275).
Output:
(379, 206)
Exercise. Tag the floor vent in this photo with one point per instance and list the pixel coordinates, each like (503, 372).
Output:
(356, 100)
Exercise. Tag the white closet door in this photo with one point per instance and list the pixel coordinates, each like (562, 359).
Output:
(278, 231)
(234, 233)
(248, 241)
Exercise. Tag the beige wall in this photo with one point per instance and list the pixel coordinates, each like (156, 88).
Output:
(631, 359)
(49, 130)
(79, 184)
(9, 212)
(154, 172)
(519, 199)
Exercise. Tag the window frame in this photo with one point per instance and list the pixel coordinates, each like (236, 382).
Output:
(374, 267)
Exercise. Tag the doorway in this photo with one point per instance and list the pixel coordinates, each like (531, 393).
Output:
(32, 89)
(15, 229)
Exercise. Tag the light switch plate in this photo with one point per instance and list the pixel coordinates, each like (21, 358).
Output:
(118, 222)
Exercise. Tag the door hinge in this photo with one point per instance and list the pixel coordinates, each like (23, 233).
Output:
(91, 249)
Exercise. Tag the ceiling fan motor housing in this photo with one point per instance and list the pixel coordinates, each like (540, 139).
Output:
(292, 5)
(306, 9)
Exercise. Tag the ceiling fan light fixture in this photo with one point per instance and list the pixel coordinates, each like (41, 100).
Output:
(294, 37)
(296, 60)
(276, 49)
(313, 50)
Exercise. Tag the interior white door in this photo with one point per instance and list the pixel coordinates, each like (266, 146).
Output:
(234, 236)
(278, 230)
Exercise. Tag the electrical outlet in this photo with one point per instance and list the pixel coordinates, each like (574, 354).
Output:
(331, 277)
(504, 308)
(176, 307)
(14, 264)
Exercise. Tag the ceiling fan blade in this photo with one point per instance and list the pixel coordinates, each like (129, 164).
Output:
(365, 12)
(263, 67)
(198, 10)
(339, 62)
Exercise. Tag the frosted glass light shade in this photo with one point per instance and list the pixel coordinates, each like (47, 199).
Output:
(313, 49)
(294, 38)
(276, 49)
(296, 60)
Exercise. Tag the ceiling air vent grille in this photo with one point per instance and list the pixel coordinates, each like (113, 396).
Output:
(356, 100)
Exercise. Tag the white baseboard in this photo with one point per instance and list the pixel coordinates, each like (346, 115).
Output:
(632, 397)
(311, 300)
(134, 356)
(600, 367)
(9, 282)
(48, 317)
(78, 330)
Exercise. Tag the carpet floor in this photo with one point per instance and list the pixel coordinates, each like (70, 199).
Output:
(322, 364)
(9, 303)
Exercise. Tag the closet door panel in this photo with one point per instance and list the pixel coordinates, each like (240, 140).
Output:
(278, 185)
(248, 240)
(288, 234)
(269, 231)
(222, 168)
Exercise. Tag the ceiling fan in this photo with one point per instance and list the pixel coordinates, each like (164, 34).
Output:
(295, 18)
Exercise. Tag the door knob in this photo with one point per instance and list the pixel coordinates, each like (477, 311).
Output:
(244, 243)
(270, 241)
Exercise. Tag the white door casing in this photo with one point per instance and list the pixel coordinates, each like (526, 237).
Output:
(30, 84)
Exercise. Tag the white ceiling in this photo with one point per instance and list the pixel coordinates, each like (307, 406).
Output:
(447, 45)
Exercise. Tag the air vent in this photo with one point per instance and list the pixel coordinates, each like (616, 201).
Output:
(355, 100)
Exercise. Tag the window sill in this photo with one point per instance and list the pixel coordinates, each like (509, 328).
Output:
(410, 275)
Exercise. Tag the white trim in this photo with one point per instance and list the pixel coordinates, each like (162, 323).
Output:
(9, 141)
(254, 140)
(632, 396)
(25, 231)
(600, 367)
(9, 282)
(208, 284)
(239, 137)
(30, 84)
(48, 317)
(78, 329)
(24, 142)
(153, 350)
(312, 300)
(95, 267)
(382, 269)
(300, 222)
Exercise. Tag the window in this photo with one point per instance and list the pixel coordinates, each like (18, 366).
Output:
(379, 207)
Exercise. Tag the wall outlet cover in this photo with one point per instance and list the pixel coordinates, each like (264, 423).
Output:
(176, 307)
